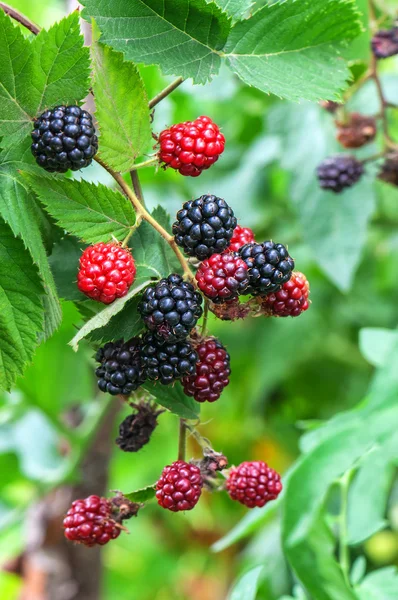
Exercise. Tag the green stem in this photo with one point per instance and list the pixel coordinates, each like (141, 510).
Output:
(170, 88)
(182, 440)
(147, 163)
(20, 18)
(344, 551)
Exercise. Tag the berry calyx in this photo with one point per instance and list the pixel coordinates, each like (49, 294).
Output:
(253, 483)
(330, 105)
(90, 522)
(171, 308)
(231, 310)
(357, 131)
(179, 487)
(212, 372)
(222, 277)
(241, 236)
(120, 370)
(106, 272)
(166, 361)
(385, 43)
(192, 146)
(269, 266)
(204, 226)
(136, 429)
(64, 138)
(291, 300)
(339, 172)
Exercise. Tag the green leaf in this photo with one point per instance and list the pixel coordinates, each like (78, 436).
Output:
(247, 586)
(291, 49)
(142, 495)
(174, 399)
(237, 9)
(379, 585)
(376, 344)
(335, 225)
(183, 37)
(151, 252)
(64, 263)
(104, 316)
(19, 209)
(94, 213)
(52, 69)
(125, 324)
(21, 310)
(121, 108)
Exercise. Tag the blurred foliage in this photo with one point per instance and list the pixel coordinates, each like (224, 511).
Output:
(288, 375)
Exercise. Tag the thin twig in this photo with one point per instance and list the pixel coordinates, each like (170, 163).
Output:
(141, 211)
(182, 440)
(170, 88)
(17, 16)
(135, 180)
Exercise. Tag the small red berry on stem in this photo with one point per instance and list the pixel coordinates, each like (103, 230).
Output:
(212, 372)
(241, 236)
(253, 483)
(222, 276)
(192, 146)
(179, 487)
(106, 272)
(291, 300)
(90, 522)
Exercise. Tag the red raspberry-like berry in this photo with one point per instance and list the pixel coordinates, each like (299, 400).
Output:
(212, 372)
(179, 486)
(241, 236)
(291, 300)
(90, 522)
(192, 146)
(223, 276)
(106, 272)
(253, 483)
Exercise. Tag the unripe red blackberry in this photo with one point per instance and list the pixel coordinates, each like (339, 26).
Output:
(212, 372)
(64, 138)
(223, 277)
(90, 522)
(165, 361)
(357, 131)
(241, 236)
(120, 371)
(106, 272)
(192, 146)
(269, 264)
(179, 487)
(171, 308)
(339, 172)
(204, 226)
(253, 483)
(385, 43)
(291, 300)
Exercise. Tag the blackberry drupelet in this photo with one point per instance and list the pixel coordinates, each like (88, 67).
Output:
(120, 371)
(222, 277)
(339, 172)
(166, 362)
(269, 264)
(64, 138)
(171, 308)
(204, 226)
(212, 372)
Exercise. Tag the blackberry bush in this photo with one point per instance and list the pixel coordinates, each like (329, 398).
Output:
(171, 308)
(64, 138)
(204, 226)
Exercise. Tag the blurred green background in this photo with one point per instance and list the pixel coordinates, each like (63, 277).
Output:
(284, 371)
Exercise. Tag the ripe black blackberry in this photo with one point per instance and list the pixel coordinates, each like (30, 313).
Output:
(136, 429)
(385, 43)
(120, 371)
(167, 362)
(269, 264)
(204, 226)
(171, 308)
(64, 138)
(339, 172)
